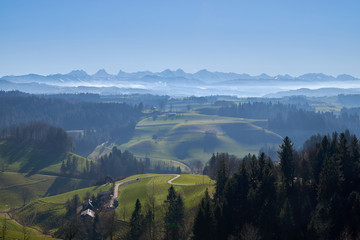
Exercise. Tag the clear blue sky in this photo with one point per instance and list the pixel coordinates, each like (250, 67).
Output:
(269, 36)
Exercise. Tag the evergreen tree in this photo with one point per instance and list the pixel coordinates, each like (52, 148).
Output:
(287, 221)
(221, 178)
(287, 163)
(317, 162)
(174, 216)
(136, 222)
(204, 222)
(354, 180)
(330, 179)
(147, 225)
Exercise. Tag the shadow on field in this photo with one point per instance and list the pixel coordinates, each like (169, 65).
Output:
(63, 184)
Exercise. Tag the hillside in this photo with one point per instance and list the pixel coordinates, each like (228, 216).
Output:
(29, 172)
(189, 137)
(17, 231)
(46, 213)
(30, 158)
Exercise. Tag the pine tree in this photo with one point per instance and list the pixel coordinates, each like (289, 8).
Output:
(317, 162)
(330, 179)
(204, 222)
(174, 216)
(136, 222)
(287, 163)
(221, 178)
(355, 164)
(287, 221)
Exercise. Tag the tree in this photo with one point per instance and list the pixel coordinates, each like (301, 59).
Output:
(136, 222)
(221, 178)
(204, 223)
(287, 221)
(174, 216)
(26, 195)
(330, 179)
(108, 225)
(287, 162)
(148, 225)
(72, 224)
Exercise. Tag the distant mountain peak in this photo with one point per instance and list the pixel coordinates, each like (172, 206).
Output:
(346, 77)
(264, 76)
(101, 73)
(203, 71)
(78, 73)
(315, 76)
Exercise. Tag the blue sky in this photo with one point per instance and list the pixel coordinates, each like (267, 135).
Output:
(269, 36)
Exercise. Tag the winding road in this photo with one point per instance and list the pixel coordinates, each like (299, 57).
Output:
(176, 177)
(116, 188)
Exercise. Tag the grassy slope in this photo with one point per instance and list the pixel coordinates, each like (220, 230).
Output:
(16, 231)
(31, 169)
(27, 157)
(157, 185)
(47, 212)
(14, 185)
(193, 179)
(183, 138)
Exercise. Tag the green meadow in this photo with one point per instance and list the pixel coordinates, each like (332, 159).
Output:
(190, 136)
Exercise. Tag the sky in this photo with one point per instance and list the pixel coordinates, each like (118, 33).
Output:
(269, 36)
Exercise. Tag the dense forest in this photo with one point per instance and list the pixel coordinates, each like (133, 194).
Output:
(298, 121)
(45, 136)
(96, 122)
(292, 117)
(310, 194)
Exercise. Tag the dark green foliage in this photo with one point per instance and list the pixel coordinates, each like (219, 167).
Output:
(204, 223)
(174, 216)
(117, 163)
(72, 225)
(136, 227)
(100, 121)
(286, 157)
(221, 177)
(310, 194)
(330, 179)
(45, 136)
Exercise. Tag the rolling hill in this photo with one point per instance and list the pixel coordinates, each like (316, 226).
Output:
(46, 213)
(184, 138)
(29, 172)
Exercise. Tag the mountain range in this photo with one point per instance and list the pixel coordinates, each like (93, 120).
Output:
(177, 83)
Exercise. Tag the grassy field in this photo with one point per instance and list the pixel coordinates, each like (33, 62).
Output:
(45, 213)
(17, 231)
(15, 188)
(191, 179)
(32, 172)
(191, 136)
(26, 157)
(157, 186)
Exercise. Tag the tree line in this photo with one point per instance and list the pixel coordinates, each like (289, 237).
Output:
(100, 121)
(45, 136)
(309, 194)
